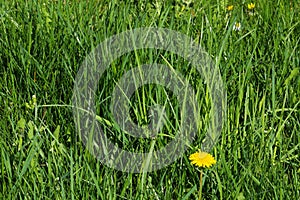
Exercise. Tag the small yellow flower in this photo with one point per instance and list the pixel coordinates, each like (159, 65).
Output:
(251, 6)
(237, 26)
(229, 8)
(202, 159)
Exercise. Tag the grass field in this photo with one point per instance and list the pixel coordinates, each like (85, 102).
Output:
(42, 46)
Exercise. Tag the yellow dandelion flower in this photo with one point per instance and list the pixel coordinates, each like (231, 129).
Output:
(202, 159)
(229, 8)
(237, 26)
(251, 6)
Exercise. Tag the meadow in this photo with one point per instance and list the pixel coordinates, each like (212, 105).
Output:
(43, 44)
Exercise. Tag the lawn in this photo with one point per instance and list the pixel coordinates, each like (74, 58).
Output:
(255, 47)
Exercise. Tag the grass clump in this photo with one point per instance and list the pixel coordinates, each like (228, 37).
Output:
(42, 45)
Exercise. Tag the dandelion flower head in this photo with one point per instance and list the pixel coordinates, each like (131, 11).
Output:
(251, 6)
(229, 8)
(237, 26)
(202, 159)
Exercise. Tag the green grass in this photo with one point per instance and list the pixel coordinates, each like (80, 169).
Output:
(42, 45)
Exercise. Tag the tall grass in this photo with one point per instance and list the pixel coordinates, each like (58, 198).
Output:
(42, 45)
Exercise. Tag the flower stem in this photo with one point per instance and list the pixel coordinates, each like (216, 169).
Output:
(200, 190)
